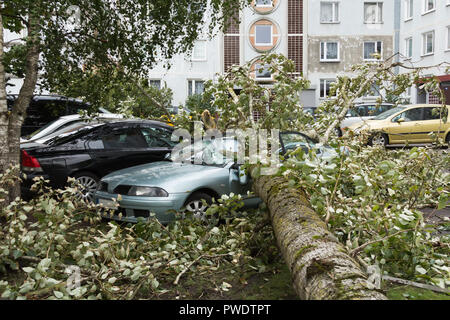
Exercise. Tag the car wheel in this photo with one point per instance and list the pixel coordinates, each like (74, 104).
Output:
(379, 139)
(89, 183)
(196, 206)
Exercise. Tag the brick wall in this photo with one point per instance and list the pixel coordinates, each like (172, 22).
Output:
(295, 31)
(231, 44)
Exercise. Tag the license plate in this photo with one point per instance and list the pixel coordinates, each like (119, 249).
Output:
(108, 204)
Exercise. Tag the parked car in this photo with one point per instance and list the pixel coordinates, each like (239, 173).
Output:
(406, 124)
(95, 151)
(361, 112)
(162, 187)
(64, 125)
(44, 109)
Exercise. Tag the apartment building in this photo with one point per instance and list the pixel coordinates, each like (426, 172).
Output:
(425, 41)
(343, 33)
(324, 38)
(265, 26)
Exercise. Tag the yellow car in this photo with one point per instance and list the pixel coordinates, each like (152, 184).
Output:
(406, 124)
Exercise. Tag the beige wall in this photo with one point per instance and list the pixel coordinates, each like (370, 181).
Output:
(350, 52)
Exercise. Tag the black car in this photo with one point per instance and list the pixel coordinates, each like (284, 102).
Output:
(93, 152)
(43, 109)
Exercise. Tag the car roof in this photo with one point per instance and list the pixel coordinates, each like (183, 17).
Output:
(141, 121)
(373, 104)
(100, 116)
(424, 105)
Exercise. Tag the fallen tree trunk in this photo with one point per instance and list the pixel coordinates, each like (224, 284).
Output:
(320, 266)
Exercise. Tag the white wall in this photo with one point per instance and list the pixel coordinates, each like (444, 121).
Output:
(437, 20)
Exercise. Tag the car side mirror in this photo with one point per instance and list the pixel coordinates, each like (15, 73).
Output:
(400, 120)
(243, 177)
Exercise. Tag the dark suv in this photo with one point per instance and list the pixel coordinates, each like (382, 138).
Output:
(93, 152)
(44, 109)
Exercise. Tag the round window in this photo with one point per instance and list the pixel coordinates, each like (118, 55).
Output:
(265, 6)
(264, 35)
(261, 72)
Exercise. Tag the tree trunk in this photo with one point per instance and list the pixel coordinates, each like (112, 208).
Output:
(11, 122)
(320, 266)
(3, 108)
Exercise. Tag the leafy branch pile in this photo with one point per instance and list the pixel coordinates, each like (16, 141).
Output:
(44, 241)
(371, 200)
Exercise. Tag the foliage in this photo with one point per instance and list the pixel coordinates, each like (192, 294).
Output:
(122, 94)
(279, 104)
(371, 200)
(42, 242)
(199, 103)
(100, 35)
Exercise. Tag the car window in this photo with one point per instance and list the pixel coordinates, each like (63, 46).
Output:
(388, 113)
(216, 152)
(75, 107)
(374, 110)
(41, 112)
(410, 115)
(123, 138)
(292, 141)
(157, 137)
(431, 113)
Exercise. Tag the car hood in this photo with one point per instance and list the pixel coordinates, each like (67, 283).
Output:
(368, 125)
(172, 177)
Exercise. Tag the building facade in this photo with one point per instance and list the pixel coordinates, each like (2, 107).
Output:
(266, 26)
(344, 33)
(324, 38)
(425, 41)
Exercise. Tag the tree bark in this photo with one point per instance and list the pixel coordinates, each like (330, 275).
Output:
(3, 107)
(11, 122)
(320, 266)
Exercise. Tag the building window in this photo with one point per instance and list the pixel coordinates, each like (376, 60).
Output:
(409, 9)
(428, 43)
(329, 12)
(155, 83)
(329, 51)
(373, 12)
(408, 47)
(325, 86)
(262, 72)
(429, 5)
(372, 49)
(196, 87)
(264, 35)
(448, 38)
(264, 6)
(263, 3)
(199, 51)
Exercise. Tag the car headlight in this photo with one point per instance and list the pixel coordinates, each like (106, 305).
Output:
(147, 192)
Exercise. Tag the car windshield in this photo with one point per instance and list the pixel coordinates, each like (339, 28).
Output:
(214, 152)
(387, 114)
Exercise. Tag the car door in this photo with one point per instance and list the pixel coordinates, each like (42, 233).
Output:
(404, 125)
(431, 122)
(118, 146)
